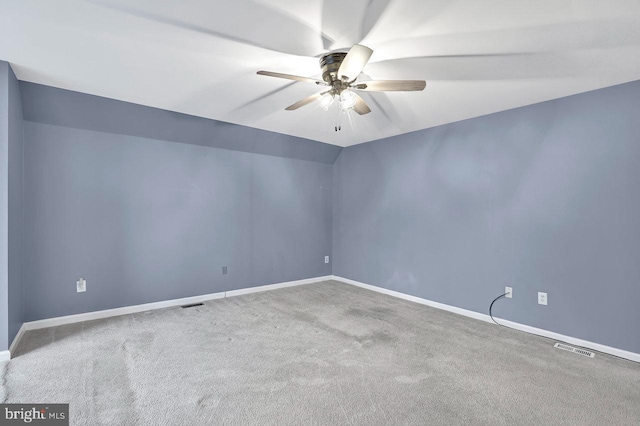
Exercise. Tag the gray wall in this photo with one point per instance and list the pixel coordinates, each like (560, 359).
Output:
(4, 205)
(541, 198)
(44, 104)
(11, 151)
(145, 220)
(16, 305)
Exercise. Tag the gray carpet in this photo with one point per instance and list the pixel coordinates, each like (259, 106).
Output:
(325, 353)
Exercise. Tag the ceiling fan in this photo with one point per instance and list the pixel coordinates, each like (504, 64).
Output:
(340, 71)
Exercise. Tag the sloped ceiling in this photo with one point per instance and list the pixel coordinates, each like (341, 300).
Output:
(200, 57)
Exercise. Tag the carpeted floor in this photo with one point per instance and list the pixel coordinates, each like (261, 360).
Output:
(325, 353)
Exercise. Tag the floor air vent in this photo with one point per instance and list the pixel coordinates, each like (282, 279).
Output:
(574, 350)
(193, 305)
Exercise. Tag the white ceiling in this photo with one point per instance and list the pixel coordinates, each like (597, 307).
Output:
(200, 57)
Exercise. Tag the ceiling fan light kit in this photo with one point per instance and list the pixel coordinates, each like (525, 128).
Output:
(326, 101)
(347, 99)
(340, 71)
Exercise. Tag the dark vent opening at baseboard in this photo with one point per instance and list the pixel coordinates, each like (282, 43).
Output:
(192, 305)
(578, 351)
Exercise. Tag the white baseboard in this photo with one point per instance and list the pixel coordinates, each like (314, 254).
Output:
(275, 286)
(69, 319)
(6, 355)
(107, 313)
(16, 340)
(483, 317)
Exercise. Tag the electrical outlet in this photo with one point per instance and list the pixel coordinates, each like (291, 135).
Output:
(224, 270)
(542, 298)
(509, 292)
(81, 285)
(326, 259)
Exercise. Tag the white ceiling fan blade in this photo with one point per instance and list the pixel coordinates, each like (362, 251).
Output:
(361, 106)
(354, 62)
(291, 77)
(391, 86)
(306, 101)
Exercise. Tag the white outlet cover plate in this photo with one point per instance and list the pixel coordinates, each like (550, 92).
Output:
(509, 292)
(542, 298)
(81, 286)
(326, 259)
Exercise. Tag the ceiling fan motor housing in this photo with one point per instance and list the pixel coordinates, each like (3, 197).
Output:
(330, 64)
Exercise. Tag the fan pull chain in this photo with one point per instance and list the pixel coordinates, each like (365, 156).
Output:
(338, 127)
